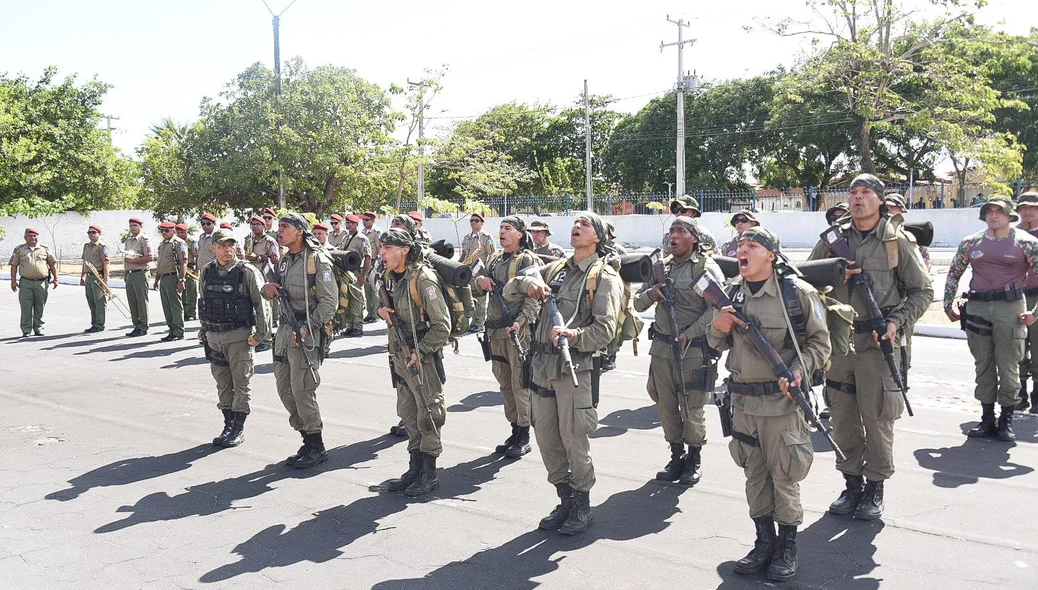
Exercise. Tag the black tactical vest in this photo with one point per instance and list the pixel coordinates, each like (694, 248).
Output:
(224, 304)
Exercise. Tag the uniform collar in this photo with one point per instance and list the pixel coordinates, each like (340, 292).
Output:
(770, 287)
(585, 264)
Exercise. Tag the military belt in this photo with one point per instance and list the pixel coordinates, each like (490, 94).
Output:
(766, 388)
(223, 327)
(28, 279)
(656, 335)
(745, 439)
(1012, 294)
(166, 274)
(1031, 291)
(542, 391)
(844, 387)
(136, 270)
(544, 348)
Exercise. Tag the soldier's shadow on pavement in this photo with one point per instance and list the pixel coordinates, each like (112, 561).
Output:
(216, 496)
(88, 342)
(620, 421)
(43, 338)
(349, 353)
(526, 558)
(833, 552)
(187, 362)
(127, 471)
(157, 352)
(482, 399)
(968, 463)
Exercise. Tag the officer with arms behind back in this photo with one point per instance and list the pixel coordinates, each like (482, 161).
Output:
(190, 282)
(96, 253)
(170, 274)
(34, 262)
(137, 254)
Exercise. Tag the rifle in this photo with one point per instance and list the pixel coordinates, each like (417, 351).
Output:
(404, 351)
(659, 271)
(555, 317)
(712, 292)
(835, 239)
(286, 305)
(479, 270)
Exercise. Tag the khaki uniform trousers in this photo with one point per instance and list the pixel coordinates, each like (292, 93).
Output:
(190, 298)
(370, 295)
(996, 339)
(172, 304)
(508, 371)
(665, 390)
(479, 312)
(232, 374)
(863, 421)
(296, 385)
(32, 297)
(1029, 365)
(96, 301)
(137, 298)
(409, 407)
(776, 465)
(355, 308)
(562, 425)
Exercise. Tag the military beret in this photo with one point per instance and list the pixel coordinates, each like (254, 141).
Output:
(271, 212)
(336, 217)
(353, 218)
(414, 215)
(321, 226)
(30, 230)
(257, 219)
(369, 215)
(96, 228)
(226, 225)
(136, 220)
(477, 216)
(167, 225)
(181, 227)
(208, 217)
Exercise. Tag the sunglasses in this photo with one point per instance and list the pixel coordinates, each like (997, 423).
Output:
(742, 220)
(207, 223)
(91, 232)
(166, 231)
(335, 223)
(256, 224)
(475, 221)
(268, 218)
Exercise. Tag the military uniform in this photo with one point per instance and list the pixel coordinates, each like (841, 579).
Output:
(96, 253)
(205, 252)
(477, 246)
(191, 282)
(707, 243)
(337, 238)
(137, 280)
(423, 236)
(694, 315)
(370, 294)
(1029, 365)
(232, 310)
(266, 251)
(33, 267)
(357, 242)
(549, 249)
(171, 253)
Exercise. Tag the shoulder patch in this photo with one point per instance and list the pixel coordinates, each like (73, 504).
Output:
(430, 293)
(976, 254)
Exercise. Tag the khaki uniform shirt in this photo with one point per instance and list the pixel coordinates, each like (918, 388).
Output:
(253, 285)
(744, 363)
(525, 311)
(136, 247)
(694, 314)
(435, 327)
(205, 251)
(338, 238)
(192, 253)
(372, 235)
(96, 254)
(550, 249)
(477, 246)
(32, 263)
(166, 261)
(322, 299)
(264, 247)
(908, 300)
(358, 243)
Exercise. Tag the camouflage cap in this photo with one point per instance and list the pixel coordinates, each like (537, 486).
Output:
(745, 213)
(223, 235)
(1028, 199)
(296, 220)
(895, 200)
(689, 224)
(538, 225)
(406, 221)
(1003, 203)
(396, 236)
(868, 181)
(763, 237)
(831, 214)
(685, 202)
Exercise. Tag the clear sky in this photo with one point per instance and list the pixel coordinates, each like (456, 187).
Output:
(163, 56)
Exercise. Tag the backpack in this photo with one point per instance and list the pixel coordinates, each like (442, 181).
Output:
(458, 299)
(628, 319)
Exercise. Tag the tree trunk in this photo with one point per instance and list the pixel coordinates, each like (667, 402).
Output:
(865, 148)
(329, 194)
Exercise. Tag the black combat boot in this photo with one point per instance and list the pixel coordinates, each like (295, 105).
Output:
(521, 445)
(291, 459)
(763, 548)
(784, 566)
(1005, 425)
(398, 429)
(608, 362)
(676, 466)
(501, 448)
(693, 467)
(850, 497)
(414, 469)
(579, 515)
(987, 423)
(1023, 403)
(315, 453)
(237, 434)
(228, 417)
(553, 521)
(426, 481)
(1034, 401)
(871, 505)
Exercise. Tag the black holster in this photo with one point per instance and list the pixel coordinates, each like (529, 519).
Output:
(723, 401)
(526, 373)
(962, 317)
(440, 371)
(596, 378)
(484, 344)
(394, 378)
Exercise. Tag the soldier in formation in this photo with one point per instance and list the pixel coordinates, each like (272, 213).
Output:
(170, 274)
(191, 278)
(1027, 209)
(741, 221)
(262, 251)
(94, 276)
(478, 244)
(337, 236)
(541, 246)
(33, 266)
(356, 241)
(370, 296)
(686, 206)
(137, 258)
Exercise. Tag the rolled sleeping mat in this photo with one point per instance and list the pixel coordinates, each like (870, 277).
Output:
(443, 248)
(636, 268)
(545, 259)
(452, 271)
(922, 230)
(347, 261)
(819, 274)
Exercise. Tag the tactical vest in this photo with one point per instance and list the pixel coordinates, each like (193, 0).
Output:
(224, 305)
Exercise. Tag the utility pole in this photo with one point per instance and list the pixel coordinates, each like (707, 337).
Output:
(277, 82)
(421, 137)
(587, 153)
(683, 83)
(110, 128)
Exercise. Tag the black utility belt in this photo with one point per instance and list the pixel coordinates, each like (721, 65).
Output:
(544, 348)
(1031, 291)
(166, 274)
(224, 327)
(654, 335)
(1012, 293)
(766, 388)
(28, 279)
(136, 270)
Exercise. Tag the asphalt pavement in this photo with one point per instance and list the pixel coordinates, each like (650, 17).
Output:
(110, 481)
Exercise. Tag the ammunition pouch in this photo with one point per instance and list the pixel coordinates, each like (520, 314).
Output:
(703, 378)
(526, 373)
(543, 348)
(975, 324)
(214, 357)
(1009, 293)
(1031, 292)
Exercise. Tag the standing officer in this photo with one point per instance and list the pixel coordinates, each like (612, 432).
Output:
(514, 255)
(693, 317)
(261, 249)
(337, 237)
(233, 320)
(1027, 209)
(477, 245)
(191, 278)
(686, 206)
(356, 242)
(996, 313)
(541, 245)
(268, 216)
(564, 414)
(419, 306)
(741, 221)
(770, 438)
(320, 231)
(137, 255)
(370, 295)
(170, 272)
(305, 272)
(863, 398)
(36, 264)
(205, 240)
(421, 234)
(96, 253)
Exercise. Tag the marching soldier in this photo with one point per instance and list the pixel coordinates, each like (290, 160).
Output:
(516, 318)
(477, 245)
(422, 235)
(338, 235)
(261, 249)
(770, 438)
(95, 252)
(686, 206)
(305, 273)
(741, 221)
(356, 242)
(863, 398)
(191, 278)
(233, 320)
(36, 265)
(542, 246)
(996, 313)
(563, 404)
(320, 231)
(683, 420)
(611, 240)
(419, 307)
(170, 273)
(370, 295)
(896, 206)
(1027, 209)
(137, 255)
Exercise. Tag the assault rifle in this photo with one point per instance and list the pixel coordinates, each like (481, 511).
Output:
(286, 304)
(835, 239)
(555, 317)
(712, 292)
(659, 271)
(479, 270)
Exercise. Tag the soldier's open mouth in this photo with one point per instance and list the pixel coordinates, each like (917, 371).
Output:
(743, 262)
